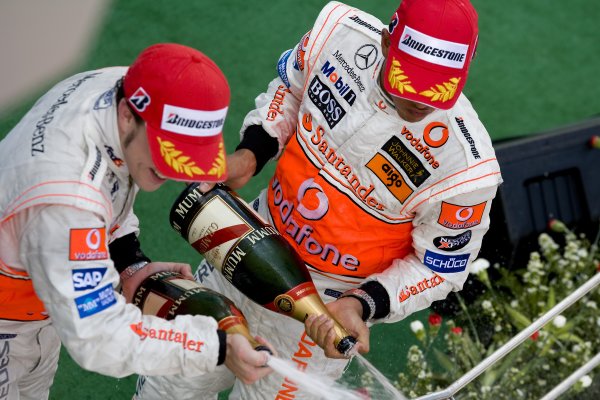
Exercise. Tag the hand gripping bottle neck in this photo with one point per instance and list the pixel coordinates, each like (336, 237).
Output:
(168, 294)
(251, 254)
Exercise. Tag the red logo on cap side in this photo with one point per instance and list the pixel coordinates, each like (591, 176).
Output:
(140, 99)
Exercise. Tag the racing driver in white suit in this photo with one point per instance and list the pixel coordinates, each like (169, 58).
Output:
(384, 180)
(69, 172)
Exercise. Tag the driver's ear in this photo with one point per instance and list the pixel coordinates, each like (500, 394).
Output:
(385, 42)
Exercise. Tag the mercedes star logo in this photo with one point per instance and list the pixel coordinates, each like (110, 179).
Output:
(365, 56)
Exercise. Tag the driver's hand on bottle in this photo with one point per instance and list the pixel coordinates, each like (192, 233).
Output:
(130, 284)
(246, 363)
(240, 168)
(348, 312)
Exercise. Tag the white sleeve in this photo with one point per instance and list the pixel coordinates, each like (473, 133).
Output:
(129, 225)
(277, 109)
(65, 252)
(447, 237)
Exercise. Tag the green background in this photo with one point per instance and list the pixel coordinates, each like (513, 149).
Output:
(537, 67)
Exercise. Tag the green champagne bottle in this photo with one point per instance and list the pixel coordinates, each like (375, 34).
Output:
(250, 253)
(168, 294)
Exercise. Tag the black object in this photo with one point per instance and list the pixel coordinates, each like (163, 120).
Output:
(553, 175)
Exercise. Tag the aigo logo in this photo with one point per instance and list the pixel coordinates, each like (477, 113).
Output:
(87, 244)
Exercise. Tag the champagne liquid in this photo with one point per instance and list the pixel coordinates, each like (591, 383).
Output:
(251, 254)
(317, 385)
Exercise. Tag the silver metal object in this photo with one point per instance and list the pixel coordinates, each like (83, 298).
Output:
(573, 378)
(515, 341)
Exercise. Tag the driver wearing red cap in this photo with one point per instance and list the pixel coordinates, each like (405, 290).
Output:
(384, 179)
(69, 172)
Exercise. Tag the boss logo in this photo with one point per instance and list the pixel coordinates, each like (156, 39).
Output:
(323, 99)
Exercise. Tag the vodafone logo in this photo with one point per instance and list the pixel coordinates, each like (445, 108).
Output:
(461, 217)
(87, 244)
(322, 206)
(464, 214)
(435, 134)
(93, 239)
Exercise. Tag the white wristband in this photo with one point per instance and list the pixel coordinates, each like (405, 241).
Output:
(132, 269)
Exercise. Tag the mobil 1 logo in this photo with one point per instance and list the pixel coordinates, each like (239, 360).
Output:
(323, 99)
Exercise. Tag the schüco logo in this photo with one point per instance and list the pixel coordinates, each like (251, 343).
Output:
(167, 336)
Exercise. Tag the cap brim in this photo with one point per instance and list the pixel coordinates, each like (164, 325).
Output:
(409, 79)
(188, 158)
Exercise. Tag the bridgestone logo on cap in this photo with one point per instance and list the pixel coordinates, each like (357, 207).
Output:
(193, 122)
(433, 50)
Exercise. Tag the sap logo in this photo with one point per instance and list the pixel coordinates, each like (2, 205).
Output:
(89, 278)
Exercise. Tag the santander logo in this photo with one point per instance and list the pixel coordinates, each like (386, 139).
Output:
(165, 335)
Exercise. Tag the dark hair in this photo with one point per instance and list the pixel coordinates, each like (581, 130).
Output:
(121, 95)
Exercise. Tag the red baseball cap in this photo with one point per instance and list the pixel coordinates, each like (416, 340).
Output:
(183, 97)
(432, 45)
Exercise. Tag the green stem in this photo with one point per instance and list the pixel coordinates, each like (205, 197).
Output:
(471, 323)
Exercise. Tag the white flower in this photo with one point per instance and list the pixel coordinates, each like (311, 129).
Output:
(486, 304)
(585, 381)
(598, 321)
(479, 265)
(591, 304)
(541, 382)
(559, 321)
(416, 326)
(514, 303)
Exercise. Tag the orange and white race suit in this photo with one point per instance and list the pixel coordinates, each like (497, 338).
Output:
(359, 192)
(66, 194)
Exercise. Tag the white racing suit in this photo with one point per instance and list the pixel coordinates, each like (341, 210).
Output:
(360, 193)
(66, 194)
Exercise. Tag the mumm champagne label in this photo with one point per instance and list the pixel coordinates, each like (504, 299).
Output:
(160, 304)
(223, 236)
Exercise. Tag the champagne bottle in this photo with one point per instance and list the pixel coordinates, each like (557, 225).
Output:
(251, 254)
(168, 294)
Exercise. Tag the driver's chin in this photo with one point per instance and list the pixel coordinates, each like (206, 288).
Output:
(148, 181)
